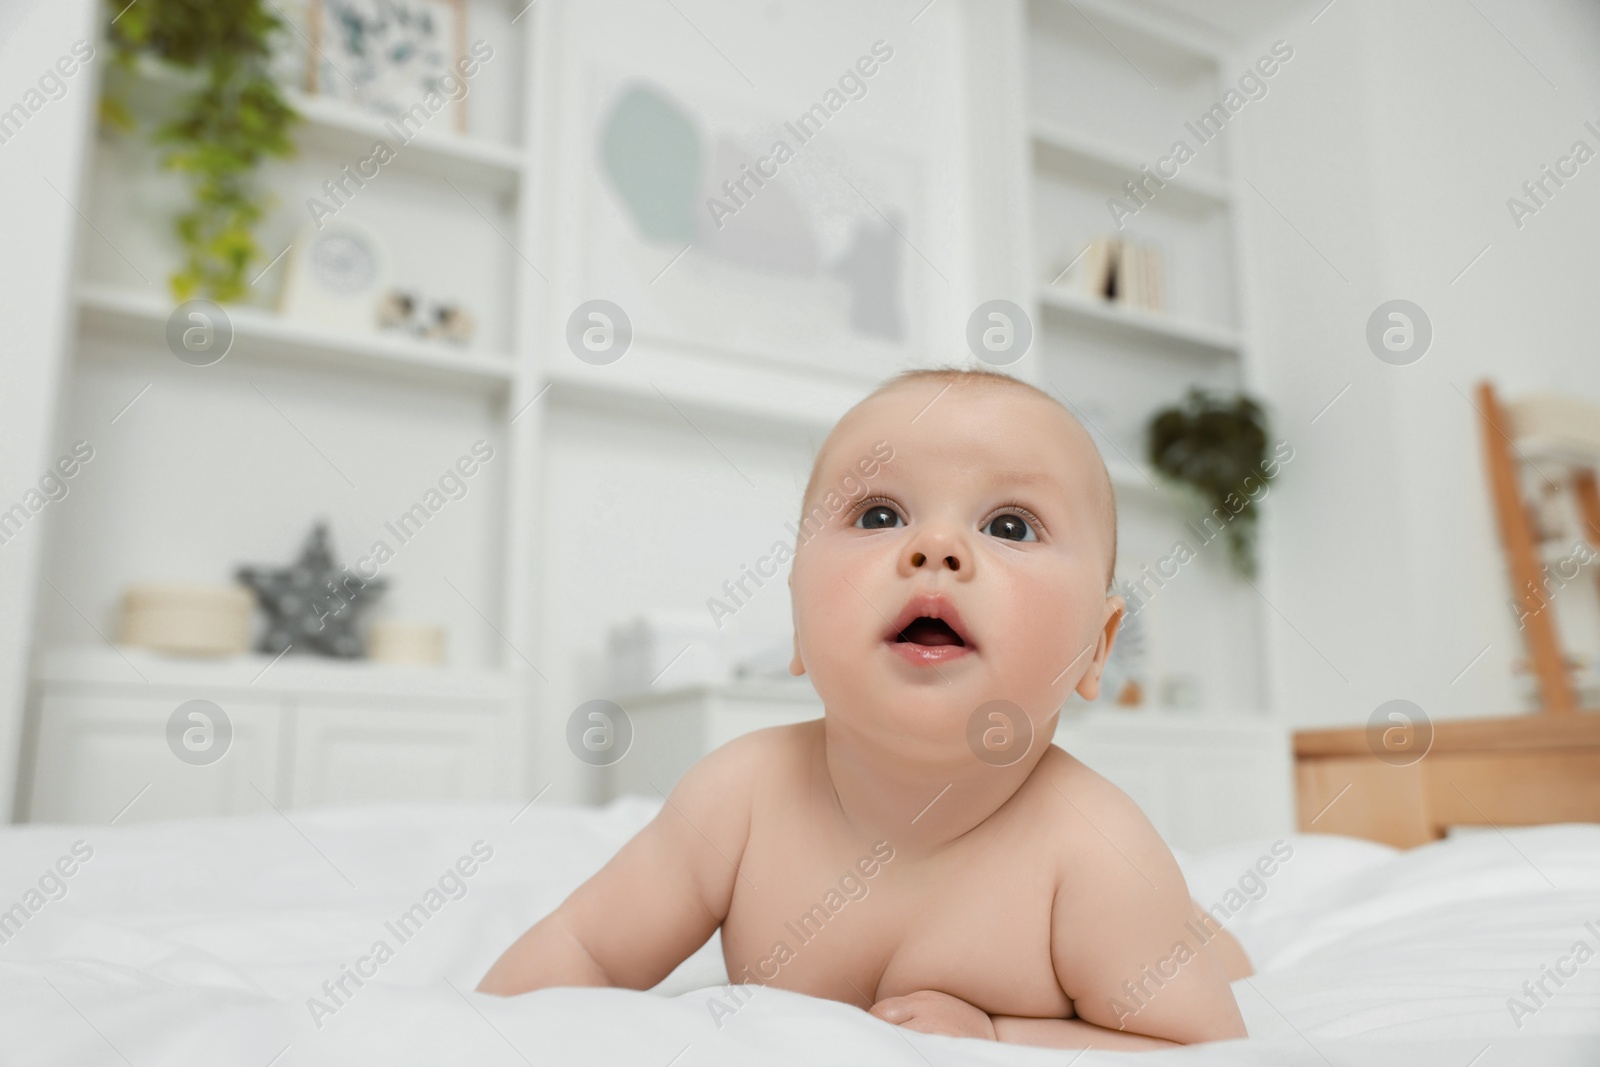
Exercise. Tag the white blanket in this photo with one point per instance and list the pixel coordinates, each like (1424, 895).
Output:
(208, 942)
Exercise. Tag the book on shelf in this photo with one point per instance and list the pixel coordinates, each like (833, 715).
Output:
(1129, 273)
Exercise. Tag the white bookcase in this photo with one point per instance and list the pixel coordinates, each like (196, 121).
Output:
(324, 423)
(301, 421)
(321, 423)
(1106, 91)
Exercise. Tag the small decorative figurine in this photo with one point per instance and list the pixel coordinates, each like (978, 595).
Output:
(436, 320)
(312, 604)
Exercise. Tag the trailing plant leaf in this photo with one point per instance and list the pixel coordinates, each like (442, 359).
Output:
(222, 131)
(1213, 444)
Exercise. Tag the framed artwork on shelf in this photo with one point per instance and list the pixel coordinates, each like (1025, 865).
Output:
(336, 277)
(388, 56)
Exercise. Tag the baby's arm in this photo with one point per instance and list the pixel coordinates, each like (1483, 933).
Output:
(656, 901)
(1123, 947)
(1119, 915)
(935, 1012)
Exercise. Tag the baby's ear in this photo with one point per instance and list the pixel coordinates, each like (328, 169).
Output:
(796, 668)
(1089, 684)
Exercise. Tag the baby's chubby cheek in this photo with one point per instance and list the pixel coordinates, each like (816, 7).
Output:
(1034, 624)
(837, 606)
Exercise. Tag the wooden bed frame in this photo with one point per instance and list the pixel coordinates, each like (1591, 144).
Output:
(1517, 771)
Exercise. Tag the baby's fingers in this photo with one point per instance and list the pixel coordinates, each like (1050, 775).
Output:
(894, 1009)
(932, 1012)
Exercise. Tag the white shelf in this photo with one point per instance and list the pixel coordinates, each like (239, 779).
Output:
(1193, 39)
(102, 665)
(349, 132)
(1054, 143)
(1147, 324)
(664, 379)
(263, 336)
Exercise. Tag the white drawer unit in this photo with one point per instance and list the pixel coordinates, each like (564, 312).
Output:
(117, 737)
(97, 752)
(674, 728)
(345, 754)
(1204, 780)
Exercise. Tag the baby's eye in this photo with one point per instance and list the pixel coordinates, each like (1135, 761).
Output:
(878, 517)
(1012, 527)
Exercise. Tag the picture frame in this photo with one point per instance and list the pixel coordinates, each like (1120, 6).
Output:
(335, 277)
(385, 55)
(838, 190)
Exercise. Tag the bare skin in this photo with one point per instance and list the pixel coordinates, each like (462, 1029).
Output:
(950, 878)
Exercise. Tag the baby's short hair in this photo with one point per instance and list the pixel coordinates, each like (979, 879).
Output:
(982, 378)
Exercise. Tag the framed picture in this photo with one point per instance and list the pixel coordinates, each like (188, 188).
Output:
(336, 276)
(387, 55)
(814, 266)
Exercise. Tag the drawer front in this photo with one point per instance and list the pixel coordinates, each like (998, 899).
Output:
(351, 753)
(1200, 788)
(96, 753)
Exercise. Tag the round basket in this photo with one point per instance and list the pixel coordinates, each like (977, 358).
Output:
(189, 620)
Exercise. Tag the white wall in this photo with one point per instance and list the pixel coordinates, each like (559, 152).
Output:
(1390, 143)
(35, 263)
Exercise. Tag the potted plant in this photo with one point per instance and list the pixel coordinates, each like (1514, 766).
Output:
(236, 118)
(1217, 446)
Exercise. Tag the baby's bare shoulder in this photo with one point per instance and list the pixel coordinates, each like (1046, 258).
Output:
(765, 758)
(1088, 816)
(706, 819)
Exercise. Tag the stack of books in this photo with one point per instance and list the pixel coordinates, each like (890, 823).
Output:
(1124, 272)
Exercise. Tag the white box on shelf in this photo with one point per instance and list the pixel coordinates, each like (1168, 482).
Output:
(674, 728)
(678, 648)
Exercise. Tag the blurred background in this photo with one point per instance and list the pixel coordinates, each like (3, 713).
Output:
(411, 399)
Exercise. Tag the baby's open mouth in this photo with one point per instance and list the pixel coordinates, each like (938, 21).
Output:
(926, 631)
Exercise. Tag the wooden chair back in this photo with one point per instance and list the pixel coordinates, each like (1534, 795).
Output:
(1554, 442)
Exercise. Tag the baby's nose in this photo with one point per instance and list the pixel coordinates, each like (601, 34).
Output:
(935, 547)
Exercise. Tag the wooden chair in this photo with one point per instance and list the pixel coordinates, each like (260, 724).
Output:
(1519, 770)
(1543, 440)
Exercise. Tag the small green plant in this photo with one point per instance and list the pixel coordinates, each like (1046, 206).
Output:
(219, 134)
(1216, 445)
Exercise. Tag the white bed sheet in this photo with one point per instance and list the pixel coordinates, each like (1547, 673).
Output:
(202, 942)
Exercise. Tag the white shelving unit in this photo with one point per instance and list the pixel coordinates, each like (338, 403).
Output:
(1106, 92)
(1138, 325)
(369, 410)
(301, 733)
(688, 439)
(333, 127)
(1060, 147)
(263, 335)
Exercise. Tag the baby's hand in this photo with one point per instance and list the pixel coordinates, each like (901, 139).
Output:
(934, 1012)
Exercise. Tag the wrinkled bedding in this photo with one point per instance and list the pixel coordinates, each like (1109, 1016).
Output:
(209, 942)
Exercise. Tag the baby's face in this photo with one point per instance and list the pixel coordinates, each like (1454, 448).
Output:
(993, 515)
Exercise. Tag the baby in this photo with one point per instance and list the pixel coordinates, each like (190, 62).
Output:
(945, 606)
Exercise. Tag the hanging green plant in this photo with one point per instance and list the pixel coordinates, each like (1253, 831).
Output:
(1217, 446)
(221, 132)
